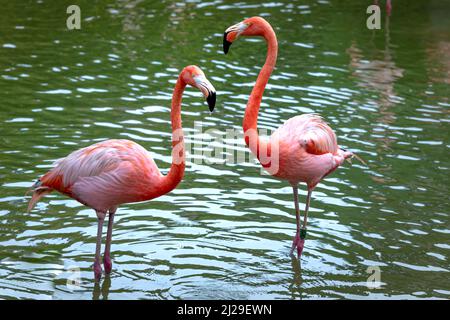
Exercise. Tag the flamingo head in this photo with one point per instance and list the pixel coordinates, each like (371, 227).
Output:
(194, 76)
(254, 26)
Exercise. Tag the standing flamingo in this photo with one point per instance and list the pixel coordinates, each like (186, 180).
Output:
(307, 147)
(388, 6)
(112, 172)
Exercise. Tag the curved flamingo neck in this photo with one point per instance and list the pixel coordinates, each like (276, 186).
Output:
(176, 172)
(251, 112)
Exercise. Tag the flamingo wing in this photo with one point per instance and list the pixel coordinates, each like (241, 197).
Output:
(126, 183)
(104, 174)
(312, 133)
(86, 162)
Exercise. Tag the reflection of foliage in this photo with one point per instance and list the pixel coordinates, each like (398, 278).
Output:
(378, 74)
(439, 61)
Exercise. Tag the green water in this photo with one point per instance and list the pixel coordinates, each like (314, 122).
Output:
(226, 231)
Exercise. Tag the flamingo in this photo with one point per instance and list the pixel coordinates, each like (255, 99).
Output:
(307, 147)
(388, 6)
(113, 172)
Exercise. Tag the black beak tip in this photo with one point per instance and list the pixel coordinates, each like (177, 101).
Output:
(226, 43)
(211, 101)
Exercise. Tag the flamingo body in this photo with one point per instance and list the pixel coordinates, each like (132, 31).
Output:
(112, 172)
(306, 147)
(308, 150)
(106, 174)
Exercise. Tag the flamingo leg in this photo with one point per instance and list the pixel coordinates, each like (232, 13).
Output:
(308, 200)
(97, 264)
(299, 239)
(297, 216)
(388, 7)
(107, 255)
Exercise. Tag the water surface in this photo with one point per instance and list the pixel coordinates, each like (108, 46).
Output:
(226, 231)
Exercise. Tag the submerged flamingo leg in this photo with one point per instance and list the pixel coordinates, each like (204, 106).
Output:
(97, 264)
(107, 256)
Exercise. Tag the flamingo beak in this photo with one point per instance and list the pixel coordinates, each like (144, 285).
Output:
(208, 90)
(211, 101)
(226, 44)
(231, 34)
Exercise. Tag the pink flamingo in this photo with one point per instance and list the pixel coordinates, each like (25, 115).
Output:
(112, 172)
(307, 147)
(388, 6)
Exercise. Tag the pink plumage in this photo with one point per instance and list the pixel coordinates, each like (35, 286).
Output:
(308, 150)
(106, 174)
(109, 173)
(306, 147)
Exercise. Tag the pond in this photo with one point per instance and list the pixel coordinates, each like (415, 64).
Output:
(226, 231)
